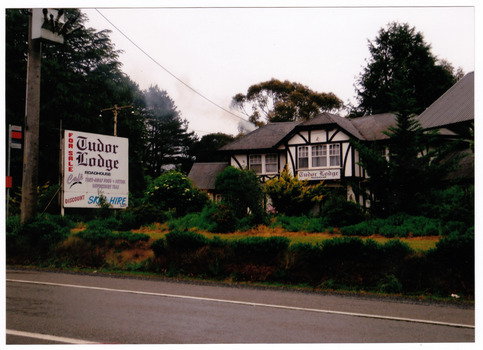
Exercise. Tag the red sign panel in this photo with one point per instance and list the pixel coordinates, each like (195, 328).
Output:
(17, 135)
(8, 182)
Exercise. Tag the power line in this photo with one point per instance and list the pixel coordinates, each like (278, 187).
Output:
(167, 71)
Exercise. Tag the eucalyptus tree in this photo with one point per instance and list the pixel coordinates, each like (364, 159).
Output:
(283, 101)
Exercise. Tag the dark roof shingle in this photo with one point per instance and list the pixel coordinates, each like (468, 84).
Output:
(456, 105)
(203, 175)
(263, 138)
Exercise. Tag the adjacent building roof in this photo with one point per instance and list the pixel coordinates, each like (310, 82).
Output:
(203, 175)
(372, 127)
(264, 138)
(455, 106)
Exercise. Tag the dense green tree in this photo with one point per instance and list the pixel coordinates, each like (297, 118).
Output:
(78, 79)
(205, 150)
(241, 191)
(401, 59)
(277, 101)
(415, 165)
(168, 139)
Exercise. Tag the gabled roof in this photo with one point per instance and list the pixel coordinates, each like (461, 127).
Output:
(372, 127)
(203, 175)
(331, 119)
(264, 138)
(455, 106)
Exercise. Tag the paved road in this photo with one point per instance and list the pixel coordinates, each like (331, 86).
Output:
(51, 308)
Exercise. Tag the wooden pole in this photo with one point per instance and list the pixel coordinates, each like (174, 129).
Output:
(31, 131)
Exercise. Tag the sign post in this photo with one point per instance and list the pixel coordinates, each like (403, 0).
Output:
(14, 141)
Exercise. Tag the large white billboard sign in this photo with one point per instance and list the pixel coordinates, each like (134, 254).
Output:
(95, 165)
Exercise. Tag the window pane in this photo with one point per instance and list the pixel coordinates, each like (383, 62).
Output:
(303, 157)
(256, 163)
(319, 156)
(334, 154)
(271, 164)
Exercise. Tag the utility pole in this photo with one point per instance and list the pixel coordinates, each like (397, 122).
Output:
(49, 25)
(31, 141)
(114, 110)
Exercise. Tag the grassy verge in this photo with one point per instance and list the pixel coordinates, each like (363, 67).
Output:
(421, 244)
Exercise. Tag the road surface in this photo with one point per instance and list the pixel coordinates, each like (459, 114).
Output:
(63, 308)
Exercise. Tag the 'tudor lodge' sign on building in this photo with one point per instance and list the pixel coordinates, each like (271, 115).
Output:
(319, 149)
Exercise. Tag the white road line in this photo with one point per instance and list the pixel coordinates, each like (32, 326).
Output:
(48, 337)
(247, 303)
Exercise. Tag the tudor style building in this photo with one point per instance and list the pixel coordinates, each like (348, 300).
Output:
(320, 149)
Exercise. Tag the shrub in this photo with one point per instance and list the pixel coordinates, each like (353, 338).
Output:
(110, 223)
(174, 191)
(390, 284)
(260, 250)
(131, 237)
(159, 247)
(147, 214)
(291, 196)
(41, 235)
(393, 231)
(300, 223)
(96, 235)
(185, 241)
(366, 228)
(241, 191)
(197, 221)
(224, 218)
(340, 212)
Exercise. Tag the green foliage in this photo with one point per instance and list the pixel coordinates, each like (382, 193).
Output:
(241, 191)
(195, 221)
(206, 149)
(37, 238)
(102, 234)
(339, 212)
(185, 241)
(260, 250)
(159, 247)
(300, 223)
(291, 196)
(283, 101)
(168, 139)
(144, 214)
(174, 191)
(455, 203)
(224, 218)
(400, 60)
(400, 225)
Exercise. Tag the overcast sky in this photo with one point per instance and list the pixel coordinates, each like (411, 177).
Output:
(221, 51)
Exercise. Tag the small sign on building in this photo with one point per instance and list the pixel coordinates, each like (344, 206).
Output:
(322, 174)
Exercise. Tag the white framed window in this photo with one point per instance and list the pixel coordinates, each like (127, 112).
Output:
(319, 156)
(256, 163)
(303, 157)
(334, 154)
(271, 163)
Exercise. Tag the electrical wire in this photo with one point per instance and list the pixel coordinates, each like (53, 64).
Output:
(167, 71)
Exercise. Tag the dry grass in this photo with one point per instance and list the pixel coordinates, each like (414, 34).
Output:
(157, 231)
